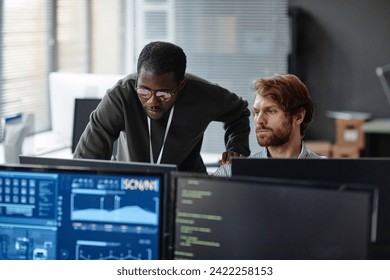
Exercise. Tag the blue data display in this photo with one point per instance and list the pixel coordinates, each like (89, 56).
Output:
(79, 215)
(28, 215)
(110, 217)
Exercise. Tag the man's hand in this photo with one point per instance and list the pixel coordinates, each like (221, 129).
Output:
(226, 157)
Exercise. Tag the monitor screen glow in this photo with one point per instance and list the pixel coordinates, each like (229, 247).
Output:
(82, 213)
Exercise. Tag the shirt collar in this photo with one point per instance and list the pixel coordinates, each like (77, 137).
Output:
(303, 154)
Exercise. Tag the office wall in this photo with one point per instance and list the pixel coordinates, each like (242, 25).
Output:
(340, 44)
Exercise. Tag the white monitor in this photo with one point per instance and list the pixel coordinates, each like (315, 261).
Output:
(64, 89)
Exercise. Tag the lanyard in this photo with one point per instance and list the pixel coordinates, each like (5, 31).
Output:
(165, 137)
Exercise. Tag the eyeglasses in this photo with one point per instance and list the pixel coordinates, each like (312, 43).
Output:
(164, 96)
(161, 95)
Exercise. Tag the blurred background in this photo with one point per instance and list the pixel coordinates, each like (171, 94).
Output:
(79, 48)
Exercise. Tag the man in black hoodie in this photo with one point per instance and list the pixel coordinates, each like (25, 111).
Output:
(162, 112)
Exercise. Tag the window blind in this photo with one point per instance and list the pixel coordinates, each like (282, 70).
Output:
(107, 36)
(89, 36)
(73, 37)
(24, 60)
(226, 41)
(229, 42)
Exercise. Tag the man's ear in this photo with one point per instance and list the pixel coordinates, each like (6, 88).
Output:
(182, 83)
(300, 116)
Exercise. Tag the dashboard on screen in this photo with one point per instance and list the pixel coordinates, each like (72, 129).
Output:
(81, 214)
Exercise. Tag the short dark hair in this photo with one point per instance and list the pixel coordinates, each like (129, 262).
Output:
(163, 57)
(289, 92)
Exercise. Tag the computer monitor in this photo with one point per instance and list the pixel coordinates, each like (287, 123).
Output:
(64, 89)
(82, 213)
(83, 108)
(252, 218)
(28, 214)
(373, 171)
(101, 164)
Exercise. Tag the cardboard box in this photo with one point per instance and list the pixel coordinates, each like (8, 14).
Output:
(350, 133)
(345, 151)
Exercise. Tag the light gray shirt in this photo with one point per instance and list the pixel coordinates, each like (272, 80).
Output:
(226, 169)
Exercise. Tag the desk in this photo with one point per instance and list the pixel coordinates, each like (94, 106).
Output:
(381, 126)
(377, 133)
(47, 144)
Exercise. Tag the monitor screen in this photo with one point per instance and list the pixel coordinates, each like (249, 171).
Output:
(83, 107)
(109, 216)
(243, 218)
(373, 171)
(132, 166)
(80, 213)
(28, 214)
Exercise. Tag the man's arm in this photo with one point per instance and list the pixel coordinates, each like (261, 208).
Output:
(236, 124)
(227, 157)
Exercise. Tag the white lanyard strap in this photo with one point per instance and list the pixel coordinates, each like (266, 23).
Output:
(165, 137)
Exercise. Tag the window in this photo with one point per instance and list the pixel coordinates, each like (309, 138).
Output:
(25, 53)
(89, 35)
(72, 38)
(226, 41)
